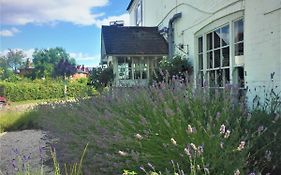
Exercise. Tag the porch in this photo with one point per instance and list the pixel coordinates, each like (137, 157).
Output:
(133, 70)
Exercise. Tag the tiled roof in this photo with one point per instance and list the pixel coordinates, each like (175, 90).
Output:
(120, 40)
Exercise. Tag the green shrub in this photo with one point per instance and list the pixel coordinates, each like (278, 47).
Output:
(174, 124)
(21, 91)
(101, 77)
(178, 66)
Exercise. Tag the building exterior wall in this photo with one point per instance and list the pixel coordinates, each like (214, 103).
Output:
(262, 34)
(262, 45)
(79, 75)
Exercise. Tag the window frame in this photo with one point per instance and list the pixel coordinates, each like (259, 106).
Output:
(227, 70)
(139, 13)
(125, 64)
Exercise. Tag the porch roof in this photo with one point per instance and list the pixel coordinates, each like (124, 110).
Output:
(123, 40)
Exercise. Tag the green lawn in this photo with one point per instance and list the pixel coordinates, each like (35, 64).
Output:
(10, 121)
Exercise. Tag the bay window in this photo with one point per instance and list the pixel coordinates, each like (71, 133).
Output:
(216, 49)
(218, 57)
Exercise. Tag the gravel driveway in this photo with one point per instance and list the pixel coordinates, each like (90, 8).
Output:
(28, 146)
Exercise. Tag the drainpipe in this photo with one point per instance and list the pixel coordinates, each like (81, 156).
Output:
(171, 34)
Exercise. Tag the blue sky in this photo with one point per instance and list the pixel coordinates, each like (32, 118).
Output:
(71, 24)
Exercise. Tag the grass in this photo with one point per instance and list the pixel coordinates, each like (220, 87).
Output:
(11, 121)
(18, 115)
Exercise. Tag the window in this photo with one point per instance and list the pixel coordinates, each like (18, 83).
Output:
(239, 51)
(124, 68)
(200, 60)
(140, 69)
(215, 53)
(239, 37)
(218, 57)
(139, 14)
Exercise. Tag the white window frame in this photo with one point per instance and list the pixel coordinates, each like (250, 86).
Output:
(229, 20)
(221, 68)
(139, 13)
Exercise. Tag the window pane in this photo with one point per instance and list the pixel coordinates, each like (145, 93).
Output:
(209, 60)
(123, 68)
(123, 71)
(130, 73)
(139, 14)
(225, 35)
(225, 56)
(239, 49)
(212, 78)
(217, 58)
(137, 74)
(200, 45)
(217, 38)
(219, 78)
(201, 78)
(144, 71)
(238, 30)
(226, 76)
(200, 60)
(129, 61)
(209, 41)
(241, 78)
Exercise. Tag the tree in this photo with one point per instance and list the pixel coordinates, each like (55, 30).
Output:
(101, 77)
(14, 59)
(64, 68)
(45, 61)
(10, 63)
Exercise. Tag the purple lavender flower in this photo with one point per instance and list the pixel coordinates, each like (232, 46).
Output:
(41, 153)
(14, 164)
(16, 151)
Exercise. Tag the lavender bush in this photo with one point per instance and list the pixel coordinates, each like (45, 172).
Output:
(167, 128)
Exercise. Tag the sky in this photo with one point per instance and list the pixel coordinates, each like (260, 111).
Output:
(74, 25)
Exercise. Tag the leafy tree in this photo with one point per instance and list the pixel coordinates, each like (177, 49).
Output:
(10, 63)
(64, 68)
(14, 59)
(45, 61)
(101, 77)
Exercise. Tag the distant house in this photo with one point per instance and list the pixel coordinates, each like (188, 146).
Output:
(81, 72)
(27, 69)
(134, 52)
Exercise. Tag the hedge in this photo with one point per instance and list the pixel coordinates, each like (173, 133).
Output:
(21, 91)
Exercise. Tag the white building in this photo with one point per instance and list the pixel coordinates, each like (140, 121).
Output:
(229, 41)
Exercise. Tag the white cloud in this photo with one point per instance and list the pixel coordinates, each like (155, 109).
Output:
(18, 12)
(9, 32)
(125, 17)
(85, 59)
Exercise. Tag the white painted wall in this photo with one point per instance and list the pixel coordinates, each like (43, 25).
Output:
(262, 34)
(262, 45)
(196, 15)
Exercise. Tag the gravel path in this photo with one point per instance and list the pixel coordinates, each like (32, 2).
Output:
(27, 146)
